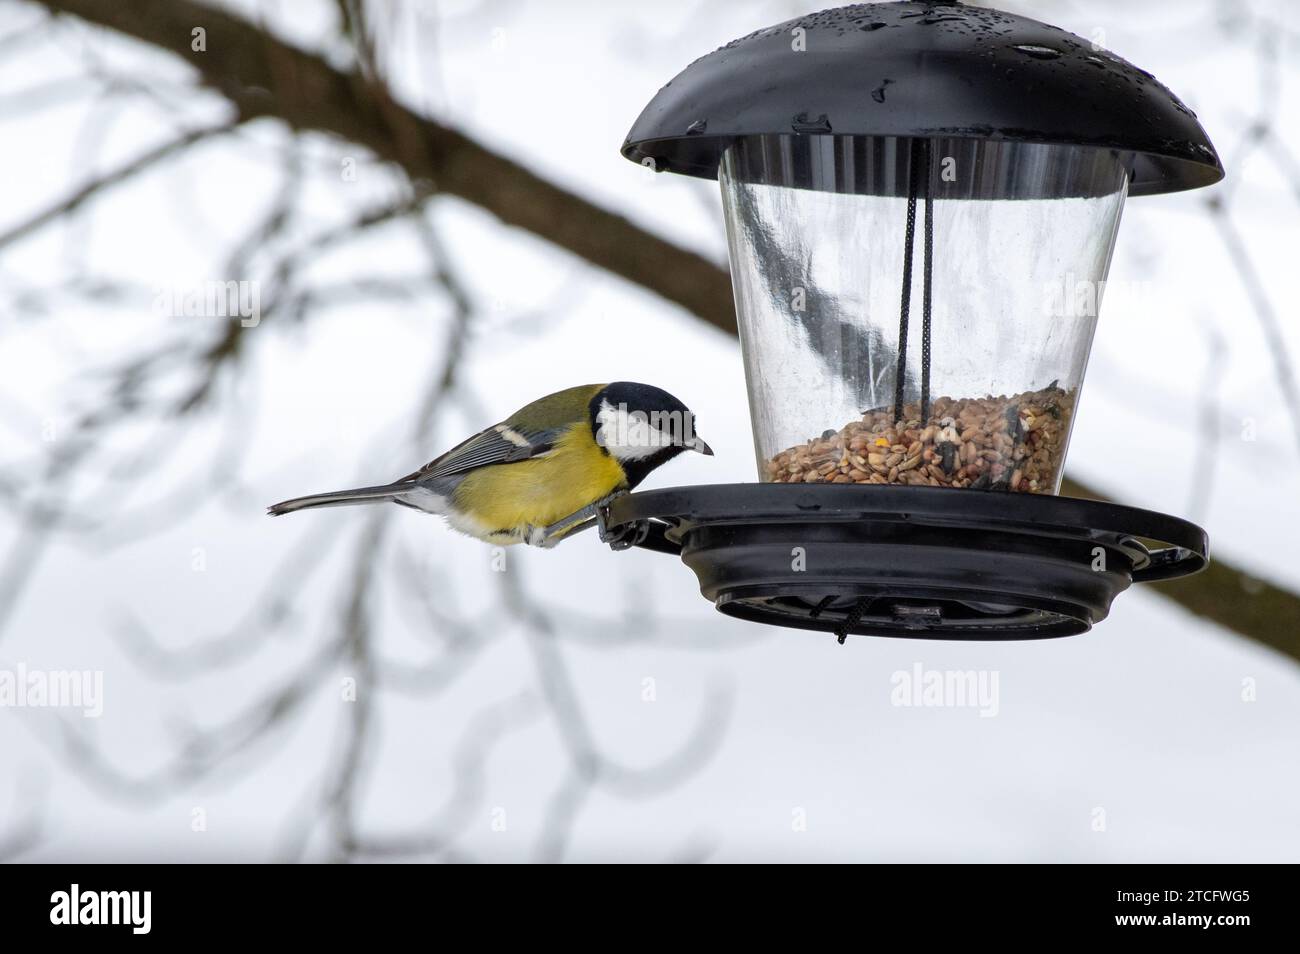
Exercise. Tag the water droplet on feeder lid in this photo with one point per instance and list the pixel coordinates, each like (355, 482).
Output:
(1037, 52)
(697, 128)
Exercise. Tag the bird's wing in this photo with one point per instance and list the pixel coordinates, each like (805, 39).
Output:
(499, 444)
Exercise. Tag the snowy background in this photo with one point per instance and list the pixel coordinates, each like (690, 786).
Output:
(608, 713)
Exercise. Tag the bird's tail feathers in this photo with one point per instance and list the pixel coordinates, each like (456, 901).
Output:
(341, 498)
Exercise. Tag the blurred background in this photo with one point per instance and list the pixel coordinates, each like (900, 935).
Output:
(428, 207)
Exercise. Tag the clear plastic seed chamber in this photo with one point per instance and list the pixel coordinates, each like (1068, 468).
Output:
(915, 311)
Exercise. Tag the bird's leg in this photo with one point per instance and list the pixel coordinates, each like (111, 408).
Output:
(538, 537)
(575, 522)
(606, 535)
(589, 516)
(566, 529)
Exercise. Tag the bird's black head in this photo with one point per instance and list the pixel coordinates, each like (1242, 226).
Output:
(642, 426)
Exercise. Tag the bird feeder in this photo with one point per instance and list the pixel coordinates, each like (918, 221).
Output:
(921, 203)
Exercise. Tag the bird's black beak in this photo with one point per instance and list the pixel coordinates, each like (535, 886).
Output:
(698, 445)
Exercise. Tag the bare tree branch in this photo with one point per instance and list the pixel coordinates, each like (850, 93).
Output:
(262, 76)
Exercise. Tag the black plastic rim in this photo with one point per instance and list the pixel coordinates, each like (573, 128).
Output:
(919, 562)
(924, 69)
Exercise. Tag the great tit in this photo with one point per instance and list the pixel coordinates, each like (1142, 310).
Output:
(546, 471)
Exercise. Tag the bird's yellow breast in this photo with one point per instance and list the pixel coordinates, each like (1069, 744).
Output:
(543, 490)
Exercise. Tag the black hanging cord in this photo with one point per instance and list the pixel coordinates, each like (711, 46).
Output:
(918, 165)
(913, 168)
(927, 273)
(851, 619)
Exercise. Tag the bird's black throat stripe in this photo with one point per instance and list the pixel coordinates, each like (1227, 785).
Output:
(638, 470)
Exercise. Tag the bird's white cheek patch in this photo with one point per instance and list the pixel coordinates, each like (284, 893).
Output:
(629, 436)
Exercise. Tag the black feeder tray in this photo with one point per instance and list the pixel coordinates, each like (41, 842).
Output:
(909, 561)
(966, 153)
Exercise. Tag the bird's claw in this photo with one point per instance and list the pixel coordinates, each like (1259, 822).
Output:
(626, 535)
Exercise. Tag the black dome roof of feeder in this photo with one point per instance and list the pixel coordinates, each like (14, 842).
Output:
(916, 561)
(926, 68)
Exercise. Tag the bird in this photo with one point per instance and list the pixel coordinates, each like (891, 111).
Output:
(546, 471)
